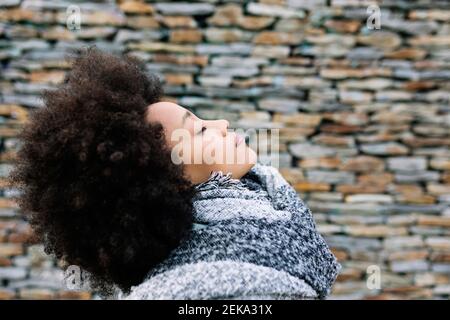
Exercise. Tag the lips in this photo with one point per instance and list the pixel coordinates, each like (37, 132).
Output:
(239, 139)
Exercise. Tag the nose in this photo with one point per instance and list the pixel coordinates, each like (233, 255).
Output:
(224, 127)
(220, 125)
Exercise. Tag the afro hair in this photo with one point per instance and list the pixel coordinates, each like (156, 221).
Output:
(96, 180)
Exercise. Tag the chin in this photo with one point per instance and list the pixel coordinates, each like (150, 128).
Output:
(253, 157)
(240, 169)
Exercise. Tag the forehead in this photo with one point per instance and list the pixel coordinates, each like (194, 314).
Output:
(169, 114)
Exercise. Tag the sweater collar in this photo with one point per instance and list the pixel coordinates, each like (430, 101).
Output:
(218, 179)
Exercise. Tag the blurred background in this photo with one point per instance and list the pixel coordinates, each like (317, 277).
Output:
(359, 90)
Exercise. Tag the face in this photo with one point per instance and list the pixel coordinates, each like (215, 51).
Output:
(202, 146)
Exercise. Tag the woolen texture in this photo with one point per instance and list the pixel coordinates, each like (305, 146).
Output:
(252, 238)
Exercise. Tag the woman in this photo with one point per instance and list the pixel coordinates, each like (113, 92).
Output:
(105, 190)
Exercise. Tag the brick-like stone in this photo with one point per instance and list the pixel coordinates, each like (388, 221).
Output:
(36, 294)
(369, 84)
(440, 163)
(407, 53)
(320, 162)
(409, 266)
(307, 150)
(335, 177)
(12, 273)
(434, 221)
(186, 36)
(438, 189)
(136, 7)
(381, 198)
(438, 243)
(376, 231)
(277, 38)
(390, 148)
(7, 294)
(332, 140)
(384, 40)
(402, 242)
(279, 105)
(343, 26)
(407, 164)
(179, 21)
(363, 164)
(298, 119)
(10, 249)
(430, 14)
(312, 186)
(273, 10)
(432, 41)
(184, 8)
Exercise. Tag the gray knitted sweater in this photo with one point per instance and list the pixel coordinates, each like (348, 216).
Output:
(253, 238)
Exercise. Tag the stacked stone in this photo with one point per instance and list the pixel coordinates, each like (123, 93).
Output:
(363, 117)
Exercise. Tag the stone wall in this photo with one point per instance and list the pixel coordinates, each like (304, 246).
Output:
(363, 116)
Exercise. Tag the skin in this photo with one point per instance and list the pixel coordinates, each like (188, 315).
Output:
(205, 146)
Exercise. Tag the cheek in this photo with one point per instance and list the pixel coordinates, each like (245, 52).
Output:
(222, 150)
(219, 146)
(204, 146)
(207, 149)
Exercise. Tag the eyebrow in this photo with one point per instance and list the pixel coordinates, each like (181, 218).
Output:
(185, 116)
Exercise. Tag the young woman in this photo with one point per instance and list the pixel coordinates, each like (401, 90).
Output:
(104, 190)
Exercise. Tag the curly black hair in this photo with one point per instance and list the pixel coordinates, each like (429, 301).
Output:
(96, 180)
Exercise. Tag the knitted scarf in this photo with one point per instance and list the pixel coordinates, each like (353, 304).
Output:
(252, 238)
